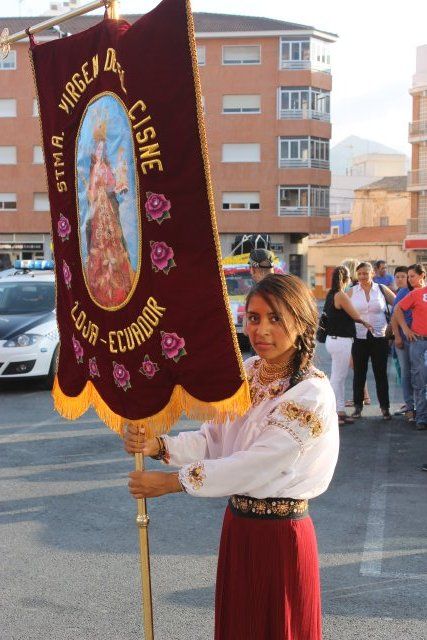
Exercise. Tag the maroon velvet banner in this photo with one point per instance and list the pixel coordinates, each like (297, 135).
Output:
(145, 328)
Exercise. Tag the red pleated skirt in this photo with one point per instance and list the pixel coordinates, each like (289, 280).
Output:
(268, 585)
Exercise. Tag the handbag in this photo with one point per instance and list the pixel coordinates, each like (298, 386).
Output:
(321, 332)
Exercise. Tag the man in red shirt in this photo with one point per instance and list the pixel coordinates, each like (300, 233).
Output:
(416, 302)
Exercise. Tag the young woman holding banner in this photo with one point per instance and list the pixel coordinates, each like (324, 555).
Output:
(271, 461)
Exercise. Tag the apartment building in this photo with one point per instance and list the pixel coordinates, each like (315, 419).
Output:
(416, 234)
(266, 92)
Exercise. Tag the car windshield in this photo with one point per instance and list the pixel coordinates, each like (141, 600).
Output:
(17, 298)
(239, 284)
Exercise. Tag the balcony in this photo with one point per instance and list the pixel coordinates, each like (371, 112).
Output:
(307, 163)
(417, 180)
(303, 211)
(304, 114)
(417, 131)
(305, 65)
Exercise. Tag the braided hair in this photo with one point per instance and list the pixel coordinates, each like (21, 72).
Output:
(292, 293)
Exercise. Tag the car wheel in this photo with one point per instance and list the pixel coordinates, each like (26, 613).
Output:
(48, 381)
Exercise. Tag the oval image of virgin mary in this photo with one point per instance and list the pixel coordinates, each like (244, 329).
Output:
(108, 205)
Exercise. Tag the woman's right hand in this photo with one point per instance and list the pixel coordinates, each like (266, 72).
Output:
(368, 326)
(135, 441)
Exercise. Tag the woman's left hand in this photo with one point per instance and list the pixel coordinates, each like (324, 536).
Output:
(151, 484)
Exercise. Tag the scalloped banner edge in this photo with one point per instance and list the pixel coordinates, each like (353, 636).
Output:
(180, 402)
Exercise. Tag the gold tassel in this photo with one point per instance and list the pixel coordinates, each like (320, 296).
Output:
(72, 407)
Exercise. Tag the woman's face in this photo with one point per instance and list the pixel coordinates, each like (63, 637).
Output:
(266, 333)
(364, 275)
(415, 279)
(99, 150)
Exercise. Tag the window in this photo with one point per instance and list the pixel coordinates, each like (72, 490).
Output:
(7, 201)
(304, 103)
(384, 221)
(241, 104)
(38, 155)
(294, 50)
(304, 152)
(307, 200)
(241, 152)
(305, 53)
(240, 201)
(201, 55)
(293, 200)
(9, 62)
(35, 107)
(8, 108)
(241, 55)
(41, 202)
(7, 155)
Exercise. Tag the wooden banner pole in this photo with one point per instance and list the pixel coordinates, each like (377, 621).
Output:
(6, 39)
(142, 521)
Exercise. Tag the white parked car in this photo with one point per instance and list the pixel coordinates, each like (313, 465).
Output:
(29, 335)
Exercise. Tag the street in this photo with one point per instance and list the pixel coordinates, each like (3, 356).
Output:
(69, 550)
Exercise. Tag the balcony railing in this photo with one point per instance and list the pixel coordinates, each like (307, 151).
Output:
(417, 130)
(310, 65)
(303, 211)
(304, 114)
(299, 163)
(417, 226)
(417, 180)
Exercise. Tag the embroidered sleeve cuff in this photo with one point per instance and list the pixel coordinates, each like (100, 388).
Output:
(192, 477)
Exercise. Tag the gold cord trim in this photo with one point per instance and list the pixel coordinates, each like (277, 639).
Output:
(205, 154)
(72, 407)
(77, 221)
(46, 177)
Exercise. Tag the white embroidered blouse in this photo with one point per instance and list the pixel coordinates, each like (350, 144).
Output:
(285, 446)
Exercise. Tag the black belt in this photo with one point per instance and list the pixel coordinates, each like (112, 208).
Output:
(268, 508)
(420, 337)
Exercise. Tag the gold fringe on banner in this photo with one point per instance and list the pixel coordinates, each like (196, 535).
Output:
(72, 407)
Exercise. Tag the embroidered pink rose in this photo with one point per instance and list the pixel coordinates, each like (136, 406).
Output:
(93, 368)
(157, 207)
(162, 257)
(67, 274)
(121, 376)
(64, 227)
(148, 367)
(172, 346)
(78, 350)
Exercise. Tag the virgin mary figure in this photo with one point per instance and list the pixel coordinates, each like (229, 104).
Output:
(108, 269)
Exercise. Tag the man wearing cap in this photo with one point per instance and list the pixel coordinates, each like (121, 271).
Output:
(260, 263)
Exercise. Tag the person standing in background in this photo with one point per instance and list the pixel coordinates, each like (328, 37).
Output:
(260, 263)
(400, 351)
(340, 329)
(416, 302)
(370, 301)
(352, 264)
(381, 275)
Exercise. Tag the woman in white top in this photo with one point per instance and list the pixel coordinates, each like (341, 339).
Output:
(271, 462)
(370, 300)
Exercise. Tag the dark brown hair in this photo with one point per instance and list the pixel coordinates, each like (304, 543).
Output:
(290, 292)
(418, 268)
(364, 265)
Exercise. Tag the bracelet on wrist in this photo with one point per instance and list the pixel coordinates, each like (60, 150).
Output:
(163, 453)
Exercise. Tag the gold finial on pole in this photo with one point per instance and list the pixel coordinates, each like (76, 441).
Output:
(4, 44)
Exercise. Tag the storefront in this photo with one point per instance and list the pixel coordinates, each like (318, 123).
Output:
(23, 247)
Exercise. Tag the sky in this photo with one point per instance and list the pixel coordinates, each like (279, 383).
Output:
(373, 60)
